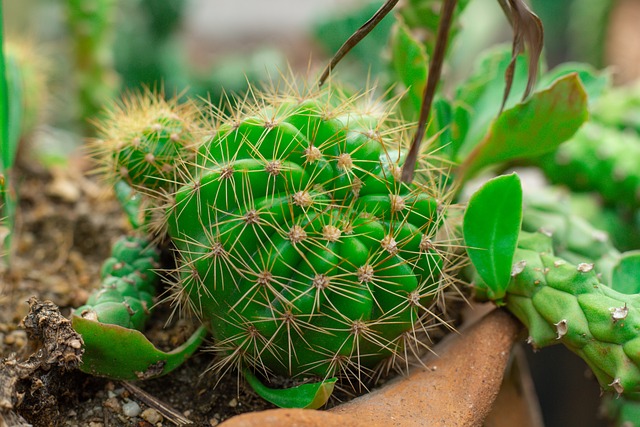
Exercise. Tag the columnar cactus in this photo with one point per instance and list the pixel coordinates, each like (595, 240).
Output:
(560, 302)
(297, 239)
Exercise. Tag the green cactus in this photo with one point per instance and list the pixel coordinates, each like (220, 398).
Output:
(147, 142)
(298, 241)
(90, 24)
(128, 286)
(560, 302)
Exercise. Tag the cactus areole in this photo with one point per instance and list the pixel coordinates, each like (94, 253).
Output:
(298, 241)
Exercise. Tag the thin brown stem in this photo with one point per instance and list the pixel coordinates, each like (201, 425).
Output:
(435, 69)
(356, 37)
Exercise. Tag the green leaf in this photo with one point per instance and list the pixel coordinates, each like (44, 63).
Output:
(532, 128)
(479, 97)
(307, 396)
(626, 274)
(410, 63)
(491, 227)
(134, 357)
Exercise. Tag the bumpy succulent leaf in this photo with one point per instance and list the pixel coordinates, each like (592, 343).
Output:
(597, 151)
(561, 302)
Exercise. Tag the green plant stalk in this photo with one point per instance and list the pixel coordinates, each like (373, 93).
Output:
(91, 27)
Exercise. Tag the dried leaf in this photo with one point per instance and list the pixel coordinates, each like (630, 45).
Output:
(435, 69)
(356, 37)
(527, 33)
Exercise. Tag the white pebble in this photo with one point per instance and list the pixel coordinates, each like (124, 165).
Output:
(131, 409)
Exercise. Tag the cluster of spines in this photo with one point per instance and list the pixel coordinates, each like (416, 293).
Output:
(560, 302)
(148, 142)
(127, 291)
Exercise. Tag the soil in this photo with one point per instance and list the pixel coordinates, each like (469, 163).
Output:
(65, 227)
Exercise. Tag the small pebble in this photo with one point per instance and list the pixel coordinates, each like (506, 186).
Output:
(233, 403)
(152, 416)
(131, 409)
(214, 422)
(112, 404)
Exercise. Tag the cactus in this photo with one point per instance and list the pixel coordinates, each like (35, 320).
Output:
(296, 238)
(147, 142)
(128, 286)
(564, 303)
(90, 24)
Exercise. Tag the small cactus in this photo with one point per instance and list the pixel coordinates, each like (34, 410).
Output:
(598, 151)
(128, 286)
(147, 141)
(297, 239)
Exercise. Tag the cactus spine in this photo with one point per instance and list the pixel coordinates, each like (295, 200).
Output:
(297, 240)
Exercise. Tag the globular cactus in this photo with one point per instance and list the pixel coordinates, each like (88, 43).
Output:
(298, 241)
(128, 285)
(560, 302)
(148, 142)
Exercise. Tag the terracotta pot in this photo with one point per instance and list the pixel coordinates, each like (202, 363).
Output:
(456, 388)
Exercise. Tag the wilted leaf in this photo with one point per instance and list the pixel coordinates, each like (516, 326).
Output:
(134, 357)
(527, 33)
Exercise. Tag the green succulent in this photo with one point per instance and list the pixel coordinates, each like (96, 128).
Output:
(125, 297)
(298, 241)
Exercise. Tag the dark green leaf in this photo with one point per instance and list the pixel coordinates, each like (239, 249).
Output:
(134, 357)
(491, 227)
(532, 128)
(308, 396)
